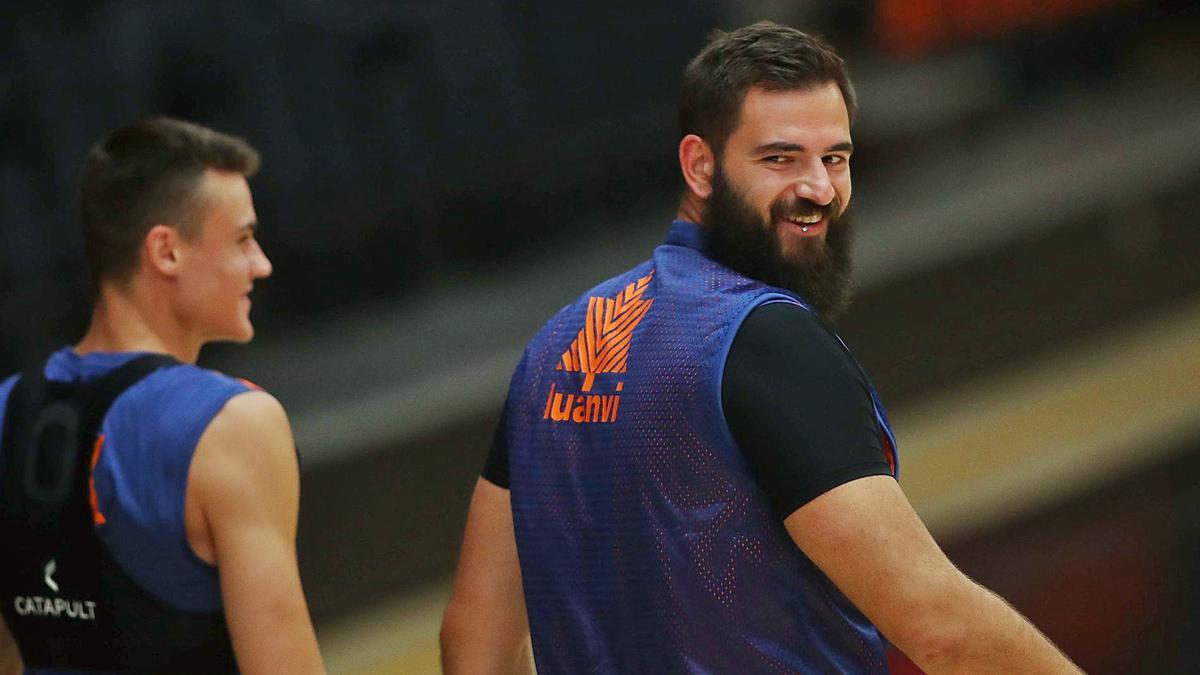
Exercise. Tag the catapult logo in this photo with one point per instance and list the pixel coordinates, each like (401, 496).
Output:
(48, 575)
(602, 346)
(55, 608)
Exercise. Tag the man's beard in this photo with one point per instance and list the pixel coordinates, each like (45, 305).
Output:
(817, 272)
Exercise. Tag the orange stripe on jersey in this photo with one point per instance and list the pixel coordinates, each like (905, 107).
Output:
(97, 517)
(250, 384)
(888, 451)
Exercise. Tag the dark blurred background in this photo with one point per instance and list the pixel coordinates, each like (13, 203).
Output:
(439, 177)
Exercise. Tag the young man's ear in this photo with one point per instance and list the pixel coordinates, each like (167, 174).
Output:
(698, 164)
(160, 250)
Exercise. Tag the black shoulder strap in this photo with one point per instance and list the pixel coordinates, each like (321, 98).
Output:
(45, 424)
(107, 388)
(49, 540)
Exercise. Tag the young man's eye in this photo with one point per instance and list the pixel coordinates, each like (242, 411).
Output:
(777, 159)
(836, 159)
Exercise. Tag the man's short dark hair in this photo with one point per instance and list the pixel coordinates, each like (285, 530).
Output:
(764, 54)
(144, 174)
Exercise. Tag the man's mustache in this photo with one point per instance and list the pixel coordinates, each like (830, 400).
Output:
(803, 208)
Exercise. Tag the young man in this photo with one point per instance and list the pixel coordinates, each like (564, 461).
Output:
(148, 507)
(696, 474)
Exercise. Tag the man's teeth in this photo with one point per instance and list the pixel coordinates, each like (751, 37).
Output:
(806, 220)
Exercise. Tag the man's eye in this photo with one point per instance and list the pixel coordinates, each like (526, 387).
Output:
(835, 159)
(776, 159)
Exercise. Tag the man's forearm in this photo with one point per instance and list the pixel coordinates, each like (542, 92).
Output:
(474, 650)
(996, 639)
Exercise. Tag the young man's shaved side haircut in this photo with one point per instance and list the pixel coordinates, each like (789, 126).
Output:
(146, 174)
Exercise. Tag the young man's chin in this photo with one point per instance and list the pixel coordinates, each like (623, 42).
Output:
(240, 335)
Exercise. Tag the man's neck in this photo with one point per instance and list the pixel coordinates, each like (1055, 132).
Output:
(691, 208)
(122, 321)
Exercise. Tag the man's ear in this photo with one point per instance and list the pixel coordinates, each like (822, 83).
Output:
(160, 250)
(698, 163)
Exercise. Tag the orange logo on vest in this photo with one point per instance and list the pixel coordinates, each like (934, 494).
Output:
(602, 346)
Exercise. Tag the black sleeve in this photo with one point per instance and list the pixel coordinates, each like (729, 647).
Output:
(495, 468)
(799, 407)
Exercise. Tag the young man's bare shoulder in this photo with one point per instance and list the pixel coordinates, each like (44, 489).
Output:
(246, 456)
(254, 405)
(253, 417)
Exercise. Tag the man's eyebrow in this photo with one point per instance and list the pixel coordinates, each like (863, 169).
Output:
(784, 146)
(779, 146)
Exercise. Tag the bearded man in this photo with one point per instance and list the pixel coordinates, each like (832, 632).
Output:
(692, 474)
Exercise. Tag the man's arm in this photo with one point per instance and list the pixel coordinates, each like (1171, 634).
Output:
(10, 655)
(246, 481)
(865, 536)
(485, 628)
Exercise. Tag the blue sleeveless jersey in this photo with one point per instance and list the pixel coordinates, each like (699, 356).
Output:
(646, 545)
(140, 473)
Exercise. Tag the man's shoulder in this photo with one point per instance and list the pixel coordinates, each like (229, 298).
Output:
(622, 287)
(255, 412)
(629, 290)
(247, 440)
(234, 400)
(188, 380)
(789, 326)
(173, 406)
(172, 389)
(784, 318)
(639, 277)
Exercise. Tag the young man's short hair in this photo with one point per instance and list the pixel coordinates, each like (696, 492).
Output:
(145, 174)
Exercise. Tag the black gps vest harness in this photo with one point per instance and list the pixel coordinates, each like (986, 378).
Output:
(66, 601)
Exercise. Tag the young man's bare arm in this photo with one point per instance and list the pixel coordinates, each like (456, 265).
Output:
(10, 655)
(865, 536)
(246, 482)
(485, 629)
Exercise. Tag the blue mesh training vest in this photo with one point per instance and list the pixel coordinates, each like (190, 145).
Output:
(646, 545)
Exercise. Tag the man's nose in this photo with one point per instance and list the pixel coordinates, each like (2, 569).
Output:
(814, 185)
(262, 264)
